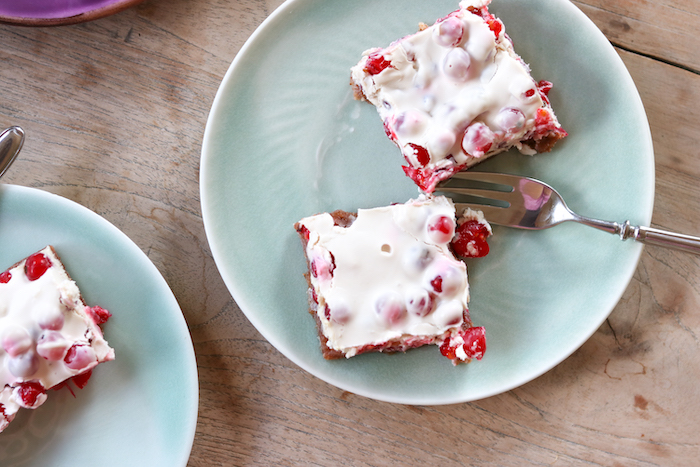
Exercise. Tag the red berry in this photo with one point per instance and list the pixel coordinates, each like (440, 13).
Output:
(51, 319)
(98, 314)
(388, 131)
(449, 32)
(437, 284)
(544, 87)
(510, 119)
(474, 342)
(419, 302)
(51, 345)
(470, 240)
(445, 277)
(16, 341)
(390, 307)
(376, 63)
(529, 93)
(421, 153)
(82, 379)
(339, 314)
(496, 26)
(321, 268)
(29, 392)
(474, 345)
(36, 265)
(447, 350)
(5, 277)
(304, 233)
(441, 229)
(79, 356)
(478, 139)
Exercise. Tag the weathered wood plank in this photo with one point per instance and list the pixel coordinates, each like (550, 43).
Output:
(663, 30)
(115, 111)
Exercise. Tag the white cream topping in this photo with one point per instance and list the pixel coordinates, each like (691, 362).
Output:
(389, 274)
(470, 214)
(40, 320)
(455, 89)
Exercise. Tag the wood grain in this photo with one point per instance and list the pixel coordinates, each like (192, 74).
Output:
(116, 109)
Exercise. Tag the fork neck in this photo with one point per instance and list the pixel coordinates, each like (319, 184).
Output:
(625, 230)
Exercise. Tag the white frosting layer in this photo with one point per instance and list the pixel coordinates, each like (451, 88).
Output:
(457, 89)
(470, 214)
(389, 275)
(40, 321)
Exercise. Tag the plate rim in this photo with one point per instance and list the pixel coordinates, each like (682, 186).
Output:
(116, 6)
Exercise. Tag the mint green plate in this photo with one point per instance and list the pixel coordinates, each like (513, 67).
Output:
(285, 139)
(141, 408)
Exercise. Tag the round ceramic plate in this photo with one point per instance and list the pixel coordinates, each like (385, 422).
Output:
(59, 12)
(285, 140)
(141, 408)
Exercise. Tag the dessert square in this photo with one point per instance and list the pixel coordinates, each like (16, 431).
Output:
(48, 335)
(385, 279)
(455, 94)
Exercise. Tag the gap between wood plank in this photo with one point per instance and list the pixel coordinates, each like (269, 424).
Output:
(658, 59)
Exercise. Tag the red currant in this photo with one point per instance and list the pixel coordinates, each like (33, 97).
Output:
(98, 314)
(447, 350)
(470, 240)
(5, 277)
(79, 356)
(449, 32)
(376, 63)
(82, 379)
(390, 307)
(437, 284)
(51, 345)
(304, 233)
(478, 139)
(422, 154)
(544, 87)
(36, 265)
(496, 26)
(474, 345)
(419, 302)
(321, 268)
(441, 229)
(29, 392)
(474, 342)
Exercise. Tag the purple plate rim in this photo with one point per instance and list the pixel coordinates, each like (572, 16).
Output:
(93, 14)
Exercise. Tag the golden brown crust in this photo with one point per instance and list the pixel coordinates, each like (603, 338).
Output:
(342, 219)
(53, 250)
(328, 353)
(357, 92)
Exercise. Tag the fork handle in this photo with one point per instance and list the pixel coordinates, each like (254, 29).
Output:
(656, 237)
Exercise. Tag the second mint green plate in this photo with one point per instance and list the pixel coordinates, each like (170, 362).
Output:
(141, 408)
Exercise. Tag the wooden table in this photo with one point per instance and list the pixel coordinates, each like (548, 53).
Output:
(115, 110)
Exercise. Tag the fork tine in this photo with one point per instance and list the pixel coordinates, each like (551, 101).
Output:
(484, 194)
(493, 214)
(487, 177)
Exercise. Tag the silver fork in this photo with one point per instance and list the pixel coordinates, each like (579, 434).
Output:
(526, 203)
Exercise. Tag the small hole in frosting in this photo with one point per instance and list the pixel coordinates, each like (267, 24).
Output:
(386, 248)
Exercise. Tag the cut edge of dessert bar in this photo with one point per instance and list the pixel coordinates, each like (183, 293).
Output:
(386, 279)
(48, 335)
(456, 93)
